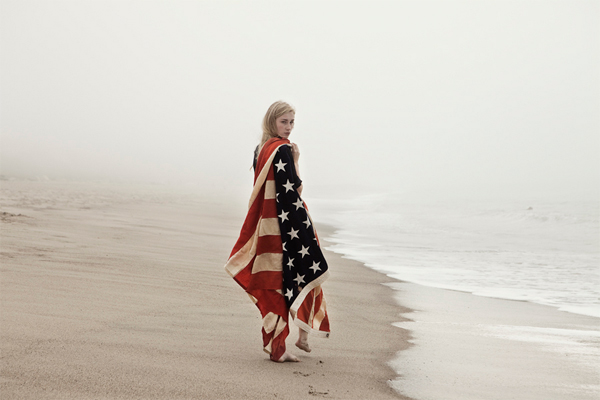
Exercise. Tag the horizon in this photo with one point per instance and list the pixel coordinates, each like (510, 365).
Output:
(434, 99)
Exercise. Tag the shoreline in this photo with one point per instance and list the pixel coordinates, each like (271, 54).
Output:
(470, 347)
(381, 331)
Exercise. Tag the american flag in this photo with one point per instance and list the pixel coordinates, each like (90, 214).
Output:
(277, 258)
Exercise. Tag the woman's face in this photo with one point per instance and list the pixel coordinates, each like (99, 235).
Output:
(285, 124)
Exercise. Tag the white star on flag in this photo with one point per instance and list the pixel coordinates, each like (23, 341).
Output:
(290, 263)
(293, 234)
(289, 293)
(298, 204)
(307, 222)
(281, 166)
(315, 267)
(288, 186)
(283, 246)
(304, 251)
(299, 278)
(284, 216)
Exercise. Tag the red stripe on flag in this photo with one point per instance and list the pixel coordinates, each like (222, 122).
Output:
(266, 280)
(268, 244)
(269, 208)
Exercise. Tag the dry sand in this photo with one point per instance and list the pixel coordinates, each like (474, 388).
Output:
(118, 292)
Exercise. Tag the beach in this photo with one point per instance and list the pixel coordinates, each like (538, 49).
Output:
(116, 291)
(447, 152)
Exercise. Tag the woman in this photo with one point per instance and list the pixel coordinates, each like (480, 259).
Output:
(277, 258)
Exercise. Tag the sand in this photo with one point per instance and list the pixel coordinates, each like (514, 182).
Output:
(118, 292)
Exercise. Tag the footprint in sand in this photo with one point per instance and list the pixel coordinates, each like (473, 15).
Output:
(313, 392)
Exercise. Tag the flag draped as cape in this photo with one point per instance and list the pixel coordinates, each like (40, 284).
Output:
(277, 258)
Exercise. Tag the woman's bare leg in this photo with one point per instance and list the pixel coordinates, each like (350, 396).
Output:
(302, 342)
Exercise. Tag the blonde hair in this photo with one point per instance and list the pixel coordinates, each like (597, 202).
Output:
(269, 126)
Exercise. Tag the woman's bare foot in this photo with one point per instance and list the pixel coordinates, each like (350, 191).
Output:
(302, 342)
(287, 357)
(303, 345)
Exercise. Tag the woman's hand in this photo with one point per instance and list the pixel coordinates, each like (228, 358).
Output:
(295, 152)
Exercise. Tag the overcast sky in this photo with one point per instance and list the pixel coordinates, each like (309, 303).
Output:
(436, 97)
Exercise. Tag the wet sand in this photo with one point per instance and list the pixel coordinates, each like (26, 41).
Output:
(479, 348)
(118, 292)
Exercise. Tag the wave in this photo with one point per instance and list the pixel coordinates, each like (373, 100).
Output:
(544, 253)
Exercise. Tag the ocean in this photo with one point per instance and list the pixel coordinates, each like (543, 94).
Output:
(539, 252)
(545, 252)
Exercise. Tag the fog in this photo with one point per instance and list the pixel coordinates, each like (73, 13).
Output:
(434, 98)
